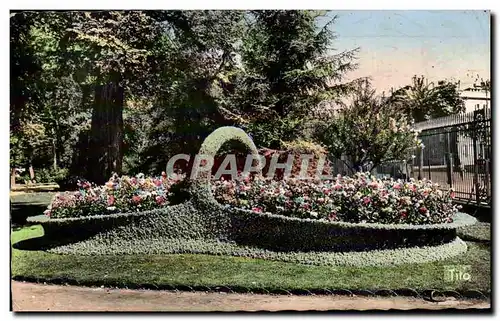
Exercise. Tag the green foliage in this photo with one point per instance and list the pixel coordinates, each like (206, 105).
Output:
(368, 131)
(196, 71)
(113, 46)
(262, 75)
(423, 100)
(51, 175)
(25, 70)
(28, 137)
(183, 229)
(285, 70)
(55, 97)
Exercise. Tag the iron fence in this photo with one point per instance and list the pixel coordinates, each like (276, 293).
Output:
(457, 154)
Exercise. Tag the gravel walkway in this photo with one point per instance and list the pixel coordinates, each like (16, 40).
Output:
(39, 297)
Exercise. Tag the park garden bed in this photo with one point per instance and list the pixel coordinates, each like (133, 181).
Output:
(359, 221)
(164, 244)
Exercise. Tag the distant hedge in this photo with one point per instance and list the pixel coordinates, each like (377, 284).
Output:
(202, 225)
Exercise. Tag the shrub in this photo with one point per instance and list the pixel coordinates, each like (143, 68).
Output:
(360, 199)
(51, 175)
(368, 131)
(119, 194)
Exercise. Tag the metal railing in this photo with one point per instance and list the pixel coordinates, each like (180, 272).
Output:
(457, 154)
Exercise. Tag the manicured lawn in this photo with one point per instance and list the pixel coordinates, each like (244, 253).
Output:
(207, 270)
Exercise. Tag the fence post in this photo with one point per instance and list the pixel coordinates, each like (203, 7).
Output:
(476, 169)
(449, 166)
(429, 167)
(487, 177)
(421, 163)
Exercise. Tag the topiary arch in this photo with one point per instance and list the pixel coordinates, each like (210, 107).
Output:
(211, 145)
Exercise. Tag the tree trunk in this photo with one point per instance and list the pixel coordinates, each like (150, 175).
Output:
(106, 139)
(13, 177)
(32, 172)
(54, 149)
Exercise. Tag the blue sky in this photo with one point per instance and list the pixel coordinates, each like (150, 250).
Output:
(395, 45)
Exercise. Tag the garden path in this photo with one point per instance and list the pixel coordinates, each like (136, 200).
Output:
(39, 297)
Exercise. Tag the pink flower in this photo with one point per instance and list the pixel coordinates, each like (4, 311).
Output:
(111, 200)
(366, 200)
(397, 186)
(136, 199)
(403, 214)
(257, 209)
(159, 200)
(452, 195)
(423, 209)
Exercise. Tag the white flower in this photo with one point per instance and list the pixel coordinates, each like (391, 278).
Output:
(392, 124)
(314, 214)
(111, 208)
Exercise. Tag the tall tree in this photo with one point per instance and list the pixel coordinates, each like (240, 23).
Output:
(259, 70)
(199, 46)
(31, 80)
(367, 132)
(114, 48)
(288, 67)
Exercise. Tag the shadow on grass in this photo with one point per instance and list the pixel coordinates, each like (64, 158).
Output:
(482, 214)
(19, 212)
(41, 243)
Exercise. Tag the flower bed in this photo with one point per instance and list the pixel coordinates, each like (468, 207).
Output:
(358, 199)
(296, 233)
(118, 195)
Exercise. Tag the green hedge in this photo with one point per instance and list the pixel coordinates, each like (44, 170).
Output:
(201, 225)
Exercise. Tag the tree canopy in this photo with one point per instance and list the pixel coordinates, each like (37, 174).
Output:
(423, 100)
(113, 91)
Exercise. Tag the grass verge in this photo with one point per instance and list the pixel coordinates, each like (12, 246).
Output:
(207, 270)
